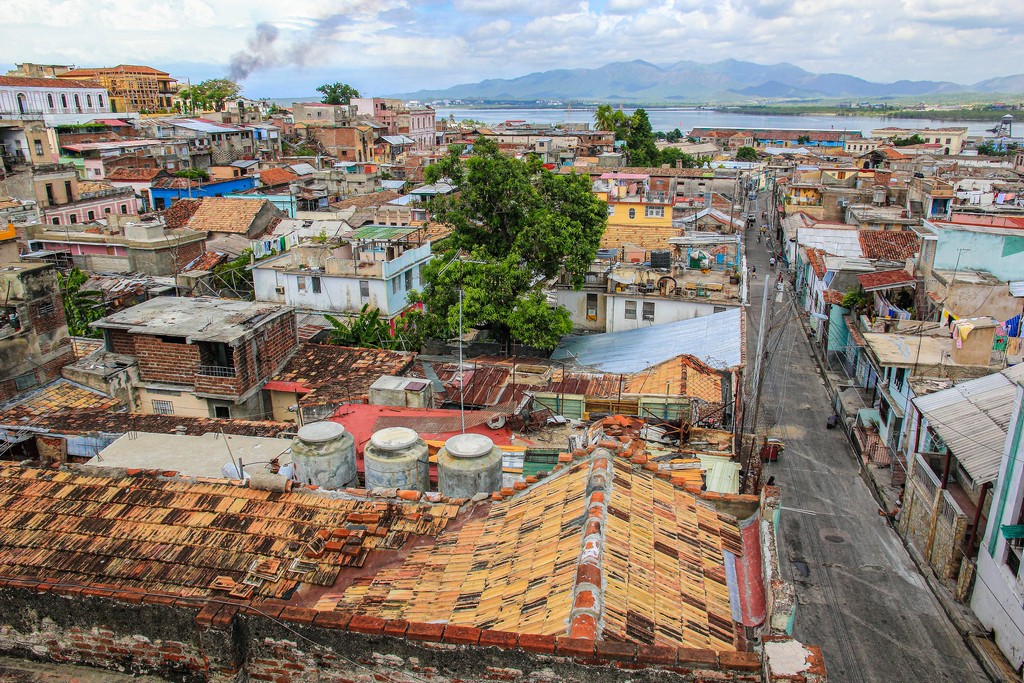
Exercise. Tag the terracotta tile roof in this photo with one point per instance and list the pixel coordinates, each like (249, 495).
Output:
(680, 376)
(889, 245)
(885, 279)
(93, 186)
(58, 395)
(208, 261)
(175, 183)
(24, 82)
(339, 374)
(664, 565)
(616, 236)
(855, 334)
(277, 176)
(178, 214)
(177, 537)
(83, 422)
(134, 174)
(831, 296)
(226, 214)
(365, 201)
(816, 258)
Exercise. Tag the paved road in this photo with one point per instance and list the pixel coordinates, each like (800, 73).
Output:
(860, 597)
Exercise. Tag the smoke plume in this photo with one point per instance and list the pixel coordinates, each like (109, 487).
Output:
(258, 54)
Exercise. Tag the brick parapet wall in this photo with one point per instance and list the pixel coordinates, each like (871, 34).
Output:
(194, 640)
(161, 361)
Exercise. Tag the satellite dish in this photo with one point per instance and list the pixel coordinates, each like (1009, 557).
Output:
(496, 422)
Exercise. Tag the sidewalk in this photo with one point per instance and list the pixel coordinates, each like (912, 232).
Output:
(879, 479)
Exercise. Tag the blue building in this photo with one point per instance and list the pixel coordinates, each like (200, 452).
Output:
(169, 190)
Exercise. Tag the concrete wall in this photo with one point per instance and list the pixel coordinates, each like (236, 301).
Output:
(1002, 255)
(184, 402)
(576, 303)
(337, 294)
(665, 311)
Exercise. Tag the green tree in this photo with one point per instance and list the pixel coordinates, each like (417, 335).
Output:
(337, 93)
(210, 94)
(515, 226)
(674, 135)
(193, 174)
(803, 139)
(746, 154)
(640, 142)
(670, 155)
(81, 306)
(914, 139)
(604, 117)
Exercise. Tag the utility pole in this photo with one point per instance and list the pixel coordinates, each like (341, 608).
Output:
(758, 376)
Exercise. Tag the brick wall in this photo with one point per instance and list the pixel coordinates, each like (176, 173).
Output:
(185, 640)
(161, 361)
(187, 253)
(47, 314)
(122, 342)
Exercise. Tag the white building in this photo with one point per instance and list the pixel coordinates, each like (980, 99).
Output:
(999, 583)
(375, 265)
(52, 100)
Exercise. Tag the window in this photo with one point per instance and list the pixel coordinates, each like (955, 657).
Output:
(73, 219)
(78, 102)
(315, 281)
(49, 194)
(883, 411)
(649, 310)
(67, 190)
(632, 213)
(49, 100)
(44, 308)
(64, 100)
(364, 289)
(591, 306)
(55, 220)
(92, 215)
(611, 210)
(949, 140)
(99, 98)
(408, 279)
(88, 100)
(163, 407)
(124, 208)
(897, 381)
(718, 309)
(630, 310)
(654, 212)
(300, 283)
(396, 284)
(222, 412)
(39, 147)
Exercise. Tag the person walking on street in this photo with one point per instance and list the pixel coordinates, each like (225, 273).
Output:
(753, 272)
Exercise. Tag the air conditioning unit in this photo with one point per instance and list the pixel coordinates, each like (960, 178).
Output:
(278, 290)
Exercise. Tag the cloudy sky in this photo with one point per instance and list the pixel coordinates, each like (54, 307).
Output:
(387, 46)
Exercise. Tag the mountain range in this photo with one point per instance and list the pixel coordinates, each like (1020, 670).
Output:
(692, 82)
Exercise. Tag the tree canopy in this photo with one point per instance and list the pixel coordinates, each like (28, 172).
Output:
(606, 118)
(670, 155)
(746, 153)
(640, 141)
(210, 94)
(515, 226)
(337, 93)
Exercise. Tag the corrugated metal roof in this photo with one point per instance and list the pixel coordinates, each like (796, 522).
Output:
(1017, 288)
(972, 418)
(714, 339)
(834, 241)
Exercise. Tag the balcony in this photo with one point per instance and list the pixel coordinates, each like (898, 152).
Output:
(216, 371)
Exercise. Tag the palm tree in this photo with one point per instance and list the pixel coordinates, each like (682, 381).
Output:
(81, 306)
(604, 117)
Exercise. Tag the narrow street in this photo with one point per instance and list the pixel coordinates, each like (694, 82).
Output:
(860, 597)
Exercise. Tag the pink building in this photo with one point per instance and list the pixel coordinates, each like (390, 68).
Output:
(93, 205)
(417, 123)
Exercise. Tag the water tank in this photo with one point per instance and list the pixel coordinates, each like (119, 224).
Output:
(468, 464)
(324, 454)
(397, 458)
(661, 258)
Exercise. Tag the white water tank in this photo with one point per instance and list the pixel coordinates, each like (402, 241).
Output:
(324, 454)
(397, 458)
(468, 464)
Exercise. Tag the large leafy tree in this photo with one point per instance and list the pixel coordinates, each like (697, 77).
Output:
(670, 155)
(746, 154)
(337, 93)
(640, 142)
(515, 226)
(210, 94)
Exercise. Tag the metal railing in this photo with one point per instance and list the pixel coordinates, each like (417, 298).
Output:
(216, 371)
(924, 476)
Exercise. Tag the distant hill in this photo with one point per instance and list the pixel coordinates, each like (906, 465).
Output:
(727, 80)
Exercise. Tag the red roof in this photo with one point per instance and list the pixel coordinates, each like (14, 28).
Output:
(816, 258)
(277, 176)
(885, 279)
(831, 296)
(889, 245)
(21, 82)
(134, 174)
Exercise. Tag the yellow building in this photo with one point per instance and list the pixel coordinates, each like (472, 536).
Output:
(132, 88)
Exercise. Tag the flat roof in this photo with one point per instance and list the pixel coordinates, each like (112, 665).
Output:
(194, 456)
(199, 318)
(118, 144)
